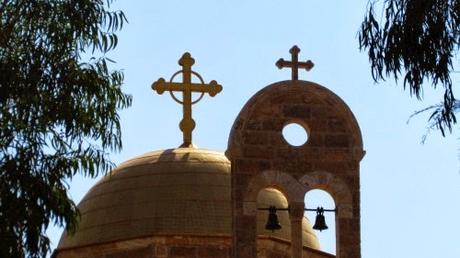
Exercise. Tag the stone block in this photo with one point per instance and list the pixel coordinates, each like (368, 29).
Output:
(317, 125)
(338, 154)
(258, 151)
(161, 251)
(254, 125)
(336, 125)
(296, 111)
(337, 140)
(146, 252)
(213, 252)
(255, 138)
(273, 124)
(315, 140)
(182, 251)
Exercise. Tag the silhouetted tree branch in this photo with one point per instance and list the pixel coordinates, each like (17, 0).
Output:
(416, 40)
(58, 112)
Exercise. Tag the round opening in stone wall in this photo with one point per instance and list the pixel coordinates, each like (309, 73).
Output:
(295, 134)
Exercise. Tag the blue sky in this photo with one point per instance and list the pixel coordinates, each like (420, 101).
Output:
(409, 191)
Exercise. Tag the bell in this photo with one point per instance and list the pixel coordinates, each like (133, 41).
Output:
(320, 221)
(273, 222)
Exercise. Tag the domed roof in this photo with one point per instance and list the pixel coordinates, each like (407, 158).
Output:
(175, 191)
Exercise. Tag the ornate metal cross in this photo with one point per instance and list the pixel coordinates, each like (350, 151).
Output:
(187, 87)
(294, 63)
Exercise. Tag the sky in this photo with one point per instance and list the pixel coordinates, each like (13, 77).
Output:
(409, 191)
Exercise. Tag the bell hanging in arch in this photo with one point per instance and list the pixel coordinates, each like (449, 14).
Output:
(273, 222)
(320, 221)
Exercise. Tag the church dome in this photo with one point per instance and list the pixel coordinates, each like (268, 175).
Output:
(169, 192)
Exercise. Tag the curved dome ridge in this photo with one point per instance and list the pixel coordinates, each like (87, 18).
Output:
(176, 155)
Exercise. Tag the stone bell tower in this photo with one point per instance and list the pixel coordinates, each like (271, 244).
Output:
(260, 158)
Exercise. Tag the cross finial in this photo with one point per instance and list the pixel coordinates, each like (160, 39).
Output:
(187, 88)
(294, 64)
(186, 61)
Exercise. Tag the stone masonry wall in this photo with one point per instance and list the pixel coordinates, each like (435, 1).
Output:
(175, 246)
(329, 161)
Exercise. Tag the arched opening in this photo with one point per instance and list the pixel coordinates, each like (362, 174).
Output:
(277, 243)
(319, 198)
(272, 197)
(272, 243)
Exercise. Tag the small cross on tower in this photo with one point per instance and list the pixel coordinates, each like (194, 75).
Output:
(295, 64)
(187, 88)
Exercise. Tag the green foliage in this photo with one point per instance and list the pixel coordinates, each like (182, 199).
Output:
(417, 41)
(58, 112)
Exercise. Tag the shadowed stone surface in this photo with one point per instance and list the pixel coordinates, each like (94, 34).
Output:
(329, 160)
